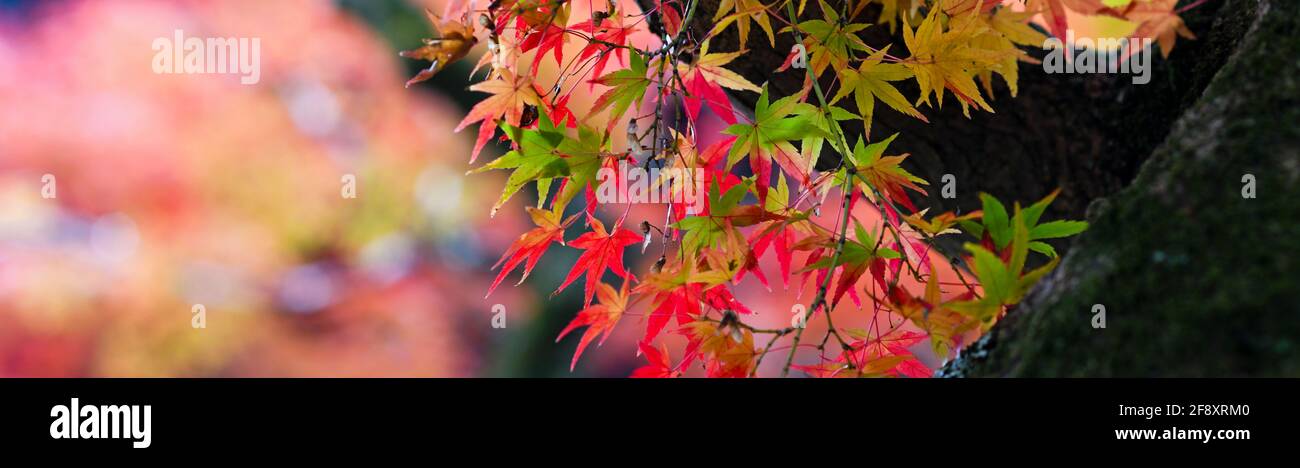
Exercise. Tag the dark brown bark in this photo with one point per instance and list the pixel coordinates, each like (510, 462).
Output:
(1197, 274)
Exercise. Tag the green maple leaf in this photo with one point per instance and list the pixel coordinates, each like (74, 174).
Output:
(776, 124)
(870, 82)
(1000, 229)
(854, 260)
(1006, 283)
(828, 120)
(540, 157)
(706, 230)
(626, 87)
(583, 156)
(831, 41)
(884, 172)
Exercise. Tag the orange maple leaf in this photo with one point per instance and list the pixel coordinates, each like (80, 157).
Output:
(532, 244)
(599, 319)
(604, 250)
(1158, 20)
(659, 367)
(510, 94)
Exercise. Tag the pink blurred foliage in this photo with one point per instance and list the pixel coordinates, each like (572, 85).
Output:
(176, 190)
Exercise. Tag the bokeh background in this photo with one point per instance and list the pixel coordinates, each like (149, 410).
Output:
(178, 190)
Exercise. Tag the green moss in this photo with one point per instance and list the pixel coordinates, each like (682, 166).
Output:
(1195, 279)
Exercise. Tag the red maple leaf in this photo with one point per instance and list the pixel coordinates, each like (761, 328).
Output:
(704, 91)
(681, 301)
(889, 354)
(603, 250)
(659, 367)
(611, 36)
(510, 95)
(679, 292)
(548, 37)
(599, 319)
(532, 244)
(705, 79)
(561, 114)
(777, 233)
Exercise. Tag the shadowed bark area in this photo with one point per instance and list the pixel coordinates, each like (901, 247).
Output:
(1195, 279)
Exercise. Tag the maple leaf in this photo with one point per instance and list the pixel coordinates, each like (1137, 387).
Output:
(827, 119)
(584, 157)
(885, 356)
(548, 35)
(1055, 12)
(960, 7)
(1008, 28)
(532, 244)
(455, 41)
(704, 80)
(996, 229)
(537, 158)
(893, 10)
(626, 87)
(775, 125)
(510, 94)
(1014, 25)
(610, 37)
(870, 81)
(728, 351)
(732, 256)
(559, 112)
(858, 254)
(742, 12)
(1157, 19)
(677, 294)
(941, 323)
(884, 172)
(604, 250)
(830, 42)
(659, 367)
(1002, 276)
(724, 214)
(531, 13)
(777, 233)
(940, 224)
(599, 319)
(949, 59)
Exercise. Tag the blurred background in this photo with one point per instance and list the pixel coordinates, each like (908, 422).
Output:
(173, 191)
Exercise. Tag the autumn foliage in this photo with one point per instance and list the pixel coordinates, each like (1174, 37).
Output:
(763, 195)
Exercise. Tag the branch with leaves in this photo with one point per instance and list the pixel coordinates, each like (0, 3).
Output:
(950, 49)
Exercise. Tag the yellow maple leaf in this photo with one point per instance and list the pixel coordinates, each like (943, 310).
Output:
(1156, 19)
(870, 81)
(950, 59)
(711, 66)
(742, 12)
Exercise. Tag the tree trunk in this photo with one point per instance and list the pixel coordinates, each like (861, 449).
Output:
(1193, 277)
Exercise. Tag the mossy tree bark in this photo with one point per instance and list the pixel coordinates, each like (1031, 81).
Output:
(1194, 278)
